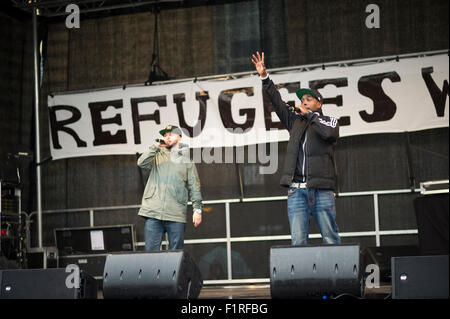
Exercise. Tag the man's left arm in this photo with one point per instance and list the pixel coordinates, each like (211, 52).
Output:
(194, 186)
(326, 126)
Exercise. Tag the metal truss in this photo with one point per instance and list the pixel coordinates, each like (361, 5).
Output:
(55, 8)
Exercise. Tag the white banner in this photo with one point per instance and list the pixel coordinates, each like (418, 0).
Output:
(408, 95)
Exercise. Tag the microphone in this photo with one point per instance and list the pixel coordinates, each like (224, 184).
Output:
(160, 141)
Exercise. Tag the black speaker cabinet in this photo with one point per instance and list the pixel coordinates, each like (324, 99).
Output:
(315, 271)
(151, 275)
(45, 257)
(46, 284)
(420, 277)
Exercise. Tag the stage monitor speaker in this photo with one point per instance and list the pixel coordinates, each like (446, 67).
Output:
(420, 277)
(151, 275)
(46, 284)
(324, 271)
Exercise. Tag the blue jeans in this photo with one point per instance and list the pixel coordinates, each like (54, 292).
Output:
(319, 203)
(154, 230)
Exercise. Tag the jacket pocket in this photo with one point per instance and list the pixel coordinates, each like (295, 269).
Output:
(320, 166)
(179, 193)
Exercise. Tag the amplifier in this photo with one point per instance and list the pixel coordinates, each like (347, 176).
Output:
(94, 240)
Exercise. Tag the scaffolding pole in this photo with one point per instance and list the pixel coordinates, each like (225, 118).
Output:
(37, 129)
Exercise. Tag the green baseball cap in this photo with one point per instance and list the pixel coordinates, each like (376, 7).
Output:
(171, 128)
(311, 92)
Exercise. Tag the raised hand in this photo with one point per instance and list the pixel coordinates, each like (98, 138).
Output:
(258, 61)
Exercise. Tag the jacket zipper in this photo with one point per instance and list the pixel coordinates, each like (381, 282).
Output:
(304, 157)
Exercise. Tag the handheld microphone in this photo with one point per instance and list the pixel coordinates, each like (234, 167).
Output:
(160, 141)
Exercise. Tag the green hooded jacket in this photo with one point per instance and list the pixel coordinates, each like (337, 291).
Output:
(172, 175)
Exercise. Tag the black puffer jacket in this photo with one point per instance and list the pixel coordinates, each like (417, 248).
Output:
(314, 135)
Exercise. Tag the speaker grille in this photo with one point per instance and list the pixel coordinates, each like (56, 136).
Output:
(154, 275)
(315, 271)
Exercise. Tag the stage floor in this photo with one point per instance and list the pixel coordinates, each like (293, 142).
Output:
(262, 291)
(253, 291)
(258, 291)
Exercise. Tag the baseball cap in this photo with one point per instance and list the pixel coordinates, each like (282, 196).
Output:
(171, 128)
(312, 92)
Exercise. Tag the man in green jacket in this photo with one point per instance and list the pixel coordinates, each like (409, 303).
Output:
(165, 197)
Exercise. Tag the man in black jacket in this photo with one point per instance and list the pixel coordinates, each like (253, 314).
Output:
(309, 169)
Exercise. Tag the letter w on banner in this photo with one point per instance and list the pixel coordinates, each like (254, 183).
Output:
(409, 95)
